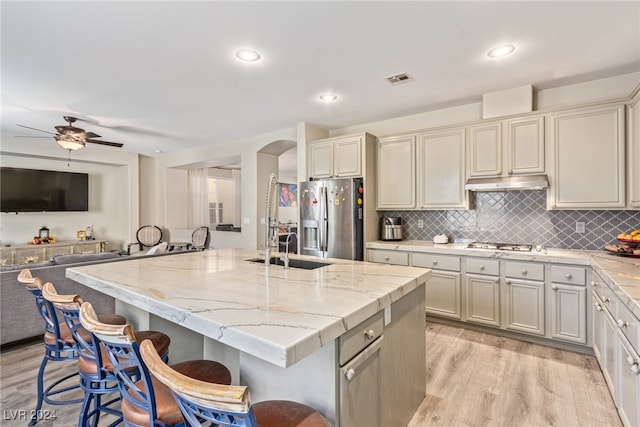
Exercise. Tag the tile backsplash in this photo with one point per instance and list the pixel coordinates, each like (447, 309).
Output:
(519, 217)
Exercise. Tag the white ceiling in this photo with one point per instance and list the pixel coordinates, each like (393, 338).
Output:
(162, 75)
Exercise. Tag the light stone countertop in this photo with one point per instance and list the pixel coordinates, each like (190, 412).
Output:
(622, 274)
(278, 315)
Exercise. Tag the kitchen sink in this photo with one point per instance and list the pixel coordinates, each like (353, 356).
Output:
(293, 263)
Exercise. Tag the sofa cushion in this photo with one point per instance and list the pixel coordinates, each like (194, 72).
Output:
(18, 267)
(75, 258)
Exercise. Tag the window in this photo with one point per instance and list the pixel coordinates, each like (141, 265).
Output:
(224, 197)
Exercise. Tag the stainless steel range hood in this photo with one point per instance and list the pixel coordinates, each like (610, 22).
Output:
(524, 182)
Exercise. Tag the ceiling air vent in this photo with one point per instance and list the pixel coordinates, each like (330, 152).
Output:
(399, 78)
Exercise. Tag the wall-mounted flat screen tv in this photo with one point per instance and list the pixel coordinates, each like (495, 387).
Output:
(31, 190)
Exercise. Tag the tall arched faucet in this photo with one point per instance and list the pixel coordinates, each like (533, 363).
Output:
(270, 220)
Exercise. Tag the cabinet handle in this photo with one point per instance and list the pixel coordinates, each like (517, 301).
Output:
(554, 287)
(350, 374)
(524, 272)
(630, 361)
(386, 258)
(594, 283)
(369, 334)
(635, 369)
(598, 307)
(605, 299)
(508, 282)
(569, 276)
(621, 323)
(482, 268)
(434, 262)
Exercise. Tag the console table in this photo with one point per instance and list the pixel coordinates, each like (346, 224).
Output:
(29, 254)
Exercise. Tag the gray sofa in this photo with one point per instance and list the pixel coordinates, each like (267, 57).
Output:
(19, 318)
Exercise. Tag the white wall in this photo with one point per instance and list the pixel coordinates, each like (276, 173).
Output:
(113, 192)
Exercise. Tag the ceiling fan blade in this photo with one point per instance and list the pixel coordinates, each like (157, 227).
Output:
(89, 135)
(28, 136)
(111, 144)
(39, 130)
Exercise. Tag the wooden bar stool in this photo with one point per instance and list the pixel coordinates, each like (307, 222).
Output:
(145, 401)
(96, 373)
(204, 404)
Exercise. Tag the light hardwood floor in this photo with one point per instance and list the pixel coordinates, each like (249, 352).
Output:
(473, 379)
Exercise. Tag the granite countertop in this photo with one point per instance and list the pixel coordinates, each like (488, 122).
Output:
(621, 273)
(278, 315)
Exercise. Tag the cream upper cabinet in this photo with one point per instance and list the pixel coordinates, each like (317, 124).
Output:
(485, 149)
(441, 169)
(524, 144)
(509, 147)
(396, 173)
(587, 151)
(633, 154)
(336, 157)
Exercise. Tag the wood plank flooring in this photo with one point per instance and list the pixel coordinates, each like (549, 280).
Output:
(473, 379)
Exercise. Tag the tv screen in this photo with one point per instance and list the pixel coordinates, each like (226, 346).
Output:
(31, 190)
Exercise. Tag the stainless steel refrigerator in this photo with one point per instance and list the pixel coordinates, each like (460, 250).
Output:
(331, 212)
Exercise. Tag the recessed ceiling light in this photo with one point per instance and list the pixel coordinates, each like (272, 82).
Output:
(328, 97)
(247, 55)
(501, 51)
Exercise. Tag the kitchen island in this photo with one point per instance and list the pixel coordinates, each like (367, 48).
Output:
(328, 337)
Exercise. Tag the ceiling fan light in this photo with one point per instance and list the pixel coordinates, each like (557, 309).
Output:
(69, 143)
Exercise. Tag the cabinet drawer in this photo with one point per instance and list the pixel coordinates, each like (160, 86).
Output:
(483, 266)
(524, 270)
(606, 295)
(568, 275)
(58, 250)
(436, 261)
(629, 325)
(357, 338)
(389, 257)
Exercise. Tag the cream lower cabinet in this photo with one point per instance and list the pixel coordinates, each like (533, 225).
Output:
(443, 290)
(587, 151)
(568, 303)
(482, 291)
(524, 305)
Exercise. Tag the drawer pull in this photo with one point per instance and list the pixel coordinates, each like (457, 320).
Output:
(481, 267)
(594, 283)
(598, 307)
(369, 334)
(554, 287)
(630, 361)
(635, 369)
(569, 276)
(524, 272)
(350, 374)
(621, 323)
(434, 262)
(386, 258)
(508, 282)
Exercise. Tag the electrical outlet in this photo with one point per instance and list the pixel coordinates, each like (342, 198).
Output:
(420, 223)
(580, 227)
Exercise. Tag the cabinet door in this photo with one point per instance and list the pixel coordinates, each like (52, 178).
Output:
(525, 145)
(53, 250)
(485, 150)
(610, 356)
(395, 173)
(441, 170)
(633, 154)
(361, 388)
(587, 153)
(320, 159)
(629, 383)
(569, 313)
(347, 157)
(524, 306)
(443, 294)
(6, 256)
(483, 299)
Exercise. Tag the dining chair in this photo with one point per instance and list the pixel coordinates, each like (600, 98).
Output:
(145, 400)
(147, 236)
(206, 404)
(199, 239)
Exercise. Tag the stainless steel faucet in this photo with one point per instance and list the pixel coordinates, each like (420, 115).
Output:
(285, 258)
(269, 221)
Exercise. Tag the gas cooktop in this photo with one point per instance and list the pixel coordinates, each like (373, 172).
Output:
(500, 246)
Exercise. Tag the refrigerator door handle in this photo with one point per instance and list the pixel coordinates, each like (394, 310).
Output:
(324, 226)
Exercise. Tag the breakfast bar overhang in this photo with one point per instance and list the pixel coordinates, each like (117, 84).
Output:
(339, 338)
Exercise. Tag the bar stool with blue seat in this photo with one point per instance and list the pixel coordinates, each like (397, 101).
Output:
(204, 404)
(96, 373)
(145, 401)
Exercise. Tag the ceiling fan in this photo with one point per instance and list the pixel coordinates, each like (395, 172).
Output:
(73, 138)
